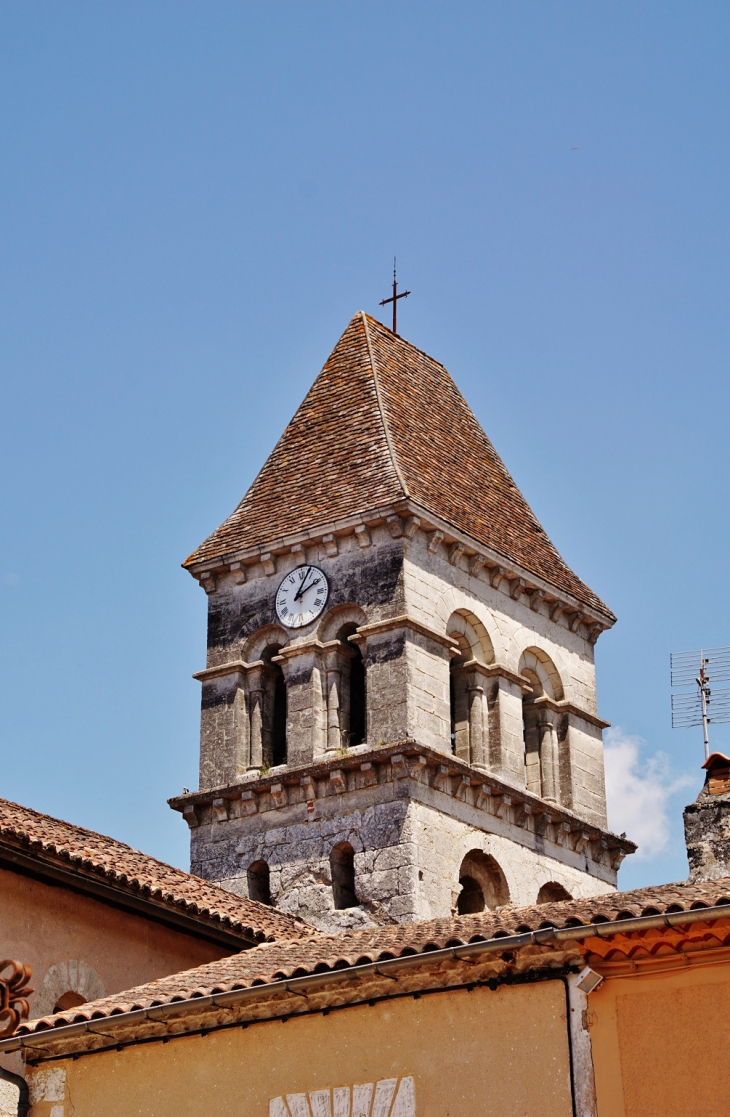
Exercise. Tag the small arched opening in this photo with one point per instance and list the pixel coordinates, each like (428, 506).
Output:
(459, 699)
(259, 886)
(274, 727)
(353, 701)
(483, 884)
(542, 773)
(68, 1000)
(342, 866)
(553, 893)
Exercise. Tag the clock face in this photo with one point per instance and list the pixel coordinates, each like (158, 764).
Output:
(302, 596)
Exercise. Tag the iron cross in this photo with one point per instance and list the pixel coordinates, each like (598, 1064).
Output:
(394, 299)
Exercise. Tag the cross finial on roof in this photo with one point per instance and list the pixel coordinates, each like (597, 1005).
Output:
(394, 299)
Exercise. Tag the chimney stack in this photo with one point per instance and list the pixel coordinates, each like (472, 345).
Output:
(707, 823)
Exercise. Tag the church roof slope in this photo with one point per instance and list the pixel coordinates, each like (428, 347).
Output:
(384, 422)
(29, 836)
(319, 953)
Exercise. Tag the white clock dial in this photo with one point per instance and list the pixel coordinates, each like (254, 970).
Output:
(302, 596)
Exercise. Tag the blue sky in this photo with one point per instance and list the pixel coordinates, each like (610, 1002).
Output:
(194, 200)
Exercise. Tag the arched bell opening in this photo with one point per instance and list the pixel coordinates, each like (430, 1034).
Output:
(483, 884)
(353, 687)
(275, 711)
(459, 699)
(542, 774)
(342, 867)
(259, 882)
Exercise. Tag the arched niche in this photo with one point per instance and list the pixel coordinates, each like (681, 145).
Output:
(259, 886)
(336, 618)
(69, 983)
(552, 893)
(538, 666)
(268, 636)
(342, 867)
(471, 635)
(483, 884)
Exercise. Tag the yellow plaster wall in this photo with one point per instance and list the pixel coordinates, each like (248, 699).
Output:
(502, 1053)
(660, 1043)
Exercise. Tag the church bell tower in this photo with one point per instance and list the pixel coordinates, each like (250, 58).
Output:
(398, 708)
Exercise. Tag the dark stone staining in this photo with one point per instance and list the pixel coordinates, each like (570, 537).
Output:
(219, 693)
(389, 648)
(376, 579)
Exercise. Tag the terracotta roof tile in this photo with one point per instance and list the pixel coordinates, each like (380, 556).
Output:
(276, 961)
(127, 870)
(384, 422)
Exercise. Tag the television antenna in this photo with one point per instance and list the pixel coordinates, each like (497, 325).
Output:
(692, 695)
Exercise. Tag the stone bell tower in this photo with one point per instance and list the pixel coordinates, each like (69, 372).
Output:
(398, 711)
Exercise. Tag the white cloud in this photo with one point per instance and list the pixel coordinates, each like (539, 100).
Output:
(638, 791)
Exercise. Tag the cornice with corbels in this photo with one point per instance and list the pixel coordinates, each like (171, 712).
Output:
(427, 767)
(403, 520)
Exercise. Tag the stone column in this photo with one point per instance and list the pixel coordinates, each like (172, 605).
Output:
(548, 761)
(477, 750)
(256, 694)
(506, 747)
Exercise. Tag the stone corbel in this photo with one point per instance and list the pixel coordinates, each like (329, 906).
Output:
(580, 840)
(485, 798)
(434, 540)
(220, 810)
(412, 525)
(517, 588)
(535, 598)
(191, 815)
(463, 788)
(338, 781)
(329, 542)
(309, 788)
(504, 808)
(268, 562)
(395, 526)
(368, 774)
(208, 581)
(594, 632)
(496, 574)
(575, 621)
(238, 573)
(476, 564)
(556, 610)
(441, 778)
(543, 820)
(524, 817)
(249, 802)
(399, 766)
(455, 552)
(617, 855)
(278, 794)
(363, 536)
(562, 833)
(419, 770)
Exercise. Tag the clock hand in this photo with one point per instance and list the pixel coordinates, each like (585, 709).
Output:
(300, 591)
(305, 589)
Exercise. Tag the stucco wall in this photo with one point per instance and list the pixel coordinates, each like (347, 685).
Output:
(499, 1052)
(660, 1043)
(76, 943)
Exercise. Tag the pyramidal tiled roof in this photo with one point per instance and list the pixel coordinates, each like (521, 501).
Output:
(384, 422)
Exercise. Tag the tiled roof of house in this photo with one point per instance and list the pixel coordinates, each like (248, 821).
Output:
(321, 953)
(94, 856)
(384, 422)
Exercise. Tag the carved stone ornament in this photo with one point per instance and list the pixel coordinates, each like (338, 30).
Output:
(14, 993)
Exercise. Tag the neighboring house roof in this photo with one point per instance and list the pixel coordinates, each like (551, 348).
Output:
(37, 844)
(320, 954)
(383, 422)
